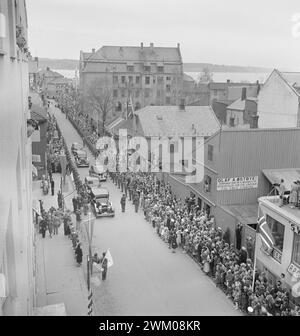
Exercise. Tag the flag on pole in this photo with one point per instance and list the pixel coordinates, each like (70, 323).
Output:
(109, 258)
(265, 233)
(130, 109)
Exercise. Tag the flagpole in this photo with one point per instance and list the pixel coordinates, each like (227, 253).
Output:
(255, 260)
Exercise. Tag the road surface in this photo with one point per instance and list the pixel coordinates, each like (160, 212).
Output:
(147, 278)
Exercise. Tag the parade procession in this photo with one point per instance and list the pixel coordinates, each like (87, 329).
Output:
(138, 181)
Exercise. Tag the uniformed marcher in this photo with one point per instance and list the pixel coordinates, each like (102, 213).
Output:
(136, 201)
(123, 202)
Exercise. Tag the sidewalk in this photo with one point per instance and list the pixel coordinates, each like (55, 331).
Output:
(58, 279)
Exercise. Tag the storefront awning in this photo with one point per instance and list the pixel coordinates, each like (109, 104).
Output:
(288, 175)
(245, 214)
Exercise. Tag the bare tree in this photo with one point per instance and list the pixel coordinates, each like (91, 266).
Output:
(99, 100)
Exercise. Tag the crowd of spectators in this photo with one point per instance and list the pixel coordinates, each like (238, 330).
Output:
(182, 224)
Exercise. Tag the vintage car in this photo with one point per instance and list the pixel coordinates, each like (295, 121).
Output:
(100, 203)
(92, 182)
(75, 147)
(98, 171)
(81, 159)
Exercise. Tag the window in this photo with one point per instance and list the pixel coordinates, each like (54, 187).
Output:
(160, 69)
(137, 80)
(123, 79)
(168, 88)
(147, 80)
(296, 249)
(115, 93)
(130, 68)
(147, 68)
(168, 78)
(207, 183)
(119, 107)
(277, 230)
(115, 79)
(168, 100)
(210, 152)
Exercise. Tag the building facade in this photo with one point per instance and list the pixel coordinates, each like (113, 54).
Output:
(279, 101)
(233, 179)
(145, 75)
(283, 263)
(16, 227)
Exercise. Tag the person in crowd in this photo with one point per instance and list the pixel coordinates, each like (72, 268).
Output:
(52, 186)
(104, 265)
(74, 202)
(78, 254)
(123, 202)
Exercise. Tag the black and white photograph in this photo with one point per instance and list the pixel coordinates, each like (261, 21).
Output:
(150, 162)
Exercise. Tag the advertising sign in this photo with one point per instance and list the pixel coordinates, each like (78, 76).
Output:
(237, 183)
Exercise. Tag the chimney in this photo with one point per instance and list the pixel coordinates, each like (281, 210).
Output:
(254, 121)
(244, 93)
(178, 45)
(93, 51)
(121, 49)
(151, 45)
(142, 45)
(48, 69)
(228, 80)
(182, 104)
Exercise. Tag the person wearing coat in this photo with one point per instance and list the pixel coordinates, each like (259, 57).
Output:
(104, 264)
(123, 202)
(78, 253)
(136, 202)
(43, 227)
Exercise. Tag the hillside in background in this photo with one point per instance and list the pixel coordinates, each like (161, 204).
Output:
(68, 64)
(198, 67)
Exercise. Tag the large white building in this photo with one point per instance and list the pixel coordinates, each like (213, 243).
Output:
(279, 101)
(16, 227)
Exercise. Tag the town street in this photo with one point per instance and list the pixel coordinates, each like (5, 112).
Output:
(147, 278)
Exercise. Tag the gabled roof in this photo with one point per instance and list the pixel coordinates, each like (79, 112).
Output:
(188, 78)
(50, 73)
(292, 79)
(237, 105)
(171, 121)
(137, 54)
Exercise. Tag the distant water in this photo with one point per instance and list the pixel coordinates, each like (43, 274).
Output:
(236, 77)
(66, 73)
(246, 77)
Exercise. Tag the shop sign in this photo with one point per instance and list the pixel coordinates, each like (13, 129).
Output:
(237, 183)
(294, 270)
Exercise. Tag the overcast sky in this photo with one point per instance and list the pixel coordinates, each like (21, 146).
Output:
(234, 32)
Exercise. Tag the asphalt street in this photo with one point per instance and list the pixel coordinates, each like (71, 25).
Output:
(147, 278)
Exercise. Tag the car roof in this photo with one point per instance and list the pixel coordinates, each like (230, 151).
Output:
(91, 178)
(100, 192)
(76, 144)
